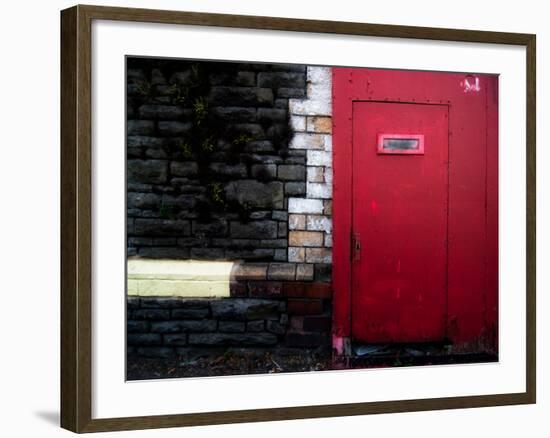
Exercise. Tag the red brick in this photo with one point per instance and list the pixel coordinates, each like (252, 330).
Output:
(294, 289)
(318, 290)
(304, 307)
(265, 288)
(237, 288)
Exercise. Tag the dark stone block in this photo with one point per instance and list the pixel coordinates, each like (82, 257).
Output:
(291, 172)
(143, 200)
(188, 169)
(234, 171)
(160, 302)
(241, 96)
(133, 326)
(275, 327)
(147, 171)
(280, 215)
(261, 146)
(244, 78)
(235, 114)
(281, 79)
(190, 313)
(173, 128)
(156, 352)
(291, 93)
(198, 326)
(215, 228)
(241, 339)
(133, 302)
(169, 112)
(241, 309)
(323, 272)
(255, 326)
(295, 189)
(264, 172)
(272, 114)
(176, 340)
(207, 253)
(231, 326)
(162, 227)
(254, 229)
(140, 127)
(255, 194)
(163, 252)
(151, 314)
(144, 339)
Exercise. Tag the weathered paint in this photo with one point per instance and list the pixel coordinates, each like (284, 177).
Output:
(470, 311)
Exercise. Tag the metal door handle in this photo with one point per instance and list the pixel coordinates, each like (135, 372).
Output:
(355, 247)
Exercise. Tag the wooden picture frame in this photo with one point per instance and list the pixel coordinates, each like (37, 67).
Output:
(76, 218)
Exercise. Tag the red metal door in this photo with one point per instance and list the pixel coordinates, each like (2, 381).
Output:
(399, 221)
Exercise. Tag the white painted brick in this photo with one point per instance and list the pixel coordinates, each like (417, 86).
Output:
(319, 75)
(319, 158)
(319, 223)
(310, 107)
(319, 190)
(301, 205)
(298, 123)
(315, 174)
(302, 140)
(296, 254)
(328, 240)
(328, 174)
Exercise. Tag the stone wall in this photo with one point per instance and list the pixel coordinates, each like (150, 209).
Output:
(259, 195)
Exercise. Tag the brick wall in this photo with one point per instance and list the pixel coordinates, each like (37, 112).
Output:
(272, 165)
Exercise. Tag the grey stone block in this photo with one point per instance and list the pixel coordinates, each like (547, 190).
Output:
(133, 326)
(242, 309)
(241, 96)
(176, 340)
(255, 194)
(169, 112)
(254, 229)
(143, 200)
(162, 227)
(291, 172)
(151, 314)
(264, 172)
(231, 326)
(140, 127)
(144, 339)
(188, 168)
(235, 171)
(235, 114)
(199, 326)
(281, 79)
(190, 313)
(275, 327)
(241, 339)
(147, 171)
(173, 128)
(156, 352)
(255, 326)
(164, 252)
(295, 189)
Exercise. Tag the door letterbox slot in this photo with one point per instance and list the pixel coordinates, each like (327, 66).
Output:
(401, 144)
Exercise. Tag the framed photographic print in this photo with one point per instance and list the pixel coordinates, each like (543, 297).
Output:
(339, 215)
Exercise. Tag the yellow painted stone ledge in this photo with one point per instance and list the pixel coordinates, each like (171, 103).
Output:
(178, 278)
